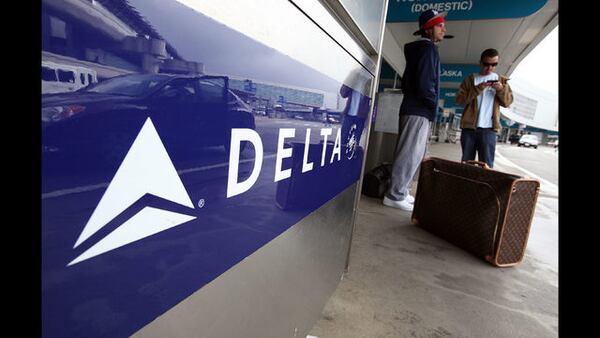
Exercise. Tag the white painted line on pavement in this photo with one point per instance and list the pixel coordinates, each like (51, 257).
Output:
(548, 187)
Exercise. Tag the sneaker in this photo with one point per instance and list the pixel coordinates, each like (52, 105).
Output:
(403, 205)
(410, 199)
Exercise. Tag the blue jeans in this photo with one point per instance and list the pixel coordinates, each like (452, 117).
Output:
(481, 141)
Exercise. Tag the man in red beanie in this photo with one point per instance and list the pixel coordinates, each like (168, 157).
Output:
(421, 87)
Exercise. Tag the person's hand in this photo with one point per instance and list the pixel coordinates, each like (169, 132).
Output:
(498, 86)
(483, 85)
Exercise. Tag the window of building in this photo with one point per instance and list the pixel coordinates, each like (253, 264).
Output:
(48, 74)
(66, 76)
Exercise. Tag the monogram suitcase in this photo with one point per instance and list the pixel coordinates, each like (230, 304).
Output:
(483, 211)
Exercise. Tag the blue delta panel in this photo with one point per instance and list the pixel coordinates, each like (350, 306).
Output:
(156, 177)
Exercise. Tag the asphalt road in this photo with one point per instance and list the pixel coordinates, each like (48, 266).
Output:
(542, 161)
(542, 164)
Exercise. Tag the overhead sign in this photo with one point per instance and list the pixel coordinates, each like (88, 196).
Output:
(409, 10)
(457, 72)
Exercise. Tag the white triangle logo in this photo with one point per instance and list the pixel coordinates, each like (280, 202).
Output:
(146, 169)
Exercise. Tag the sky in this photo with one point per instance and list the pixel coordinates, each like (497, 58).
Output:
(540, 66)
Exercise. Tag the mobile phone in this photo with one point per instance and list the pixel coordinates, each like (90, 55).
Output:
(492, 81)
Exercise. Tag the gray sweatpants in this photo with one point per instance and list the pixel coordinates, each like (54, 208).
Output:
(413, 132)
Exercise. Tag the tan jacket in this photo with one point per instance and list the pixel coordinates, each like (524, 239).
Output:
(467, 97)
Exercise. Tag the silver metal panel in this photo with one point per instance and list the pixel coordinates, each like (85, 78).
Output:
(323, 16)
(374, 90)
(368, 15)
(278, 291)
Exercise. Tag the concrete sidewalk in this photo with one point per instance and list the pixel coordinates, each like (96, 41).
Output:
(405, 282)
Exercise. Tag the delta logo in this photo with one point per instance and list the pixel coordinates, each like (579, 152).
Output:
(148, 169)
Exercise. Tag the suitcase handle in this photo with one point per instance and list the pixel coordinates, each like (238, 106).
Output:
(478, 163)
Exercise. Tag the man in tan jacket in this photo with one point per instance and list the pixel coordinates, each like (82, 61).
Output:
(482, 95)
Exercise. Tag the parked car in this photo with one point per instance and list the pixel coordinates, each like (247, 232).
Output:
(103, 119)
(554, 143)
(529, 141)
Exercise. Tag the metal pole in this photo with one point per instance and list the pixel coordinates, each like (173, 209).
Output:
(374, 88)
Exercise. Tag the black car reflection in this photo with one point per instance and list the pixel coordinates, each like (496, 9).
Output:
(102, 120)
